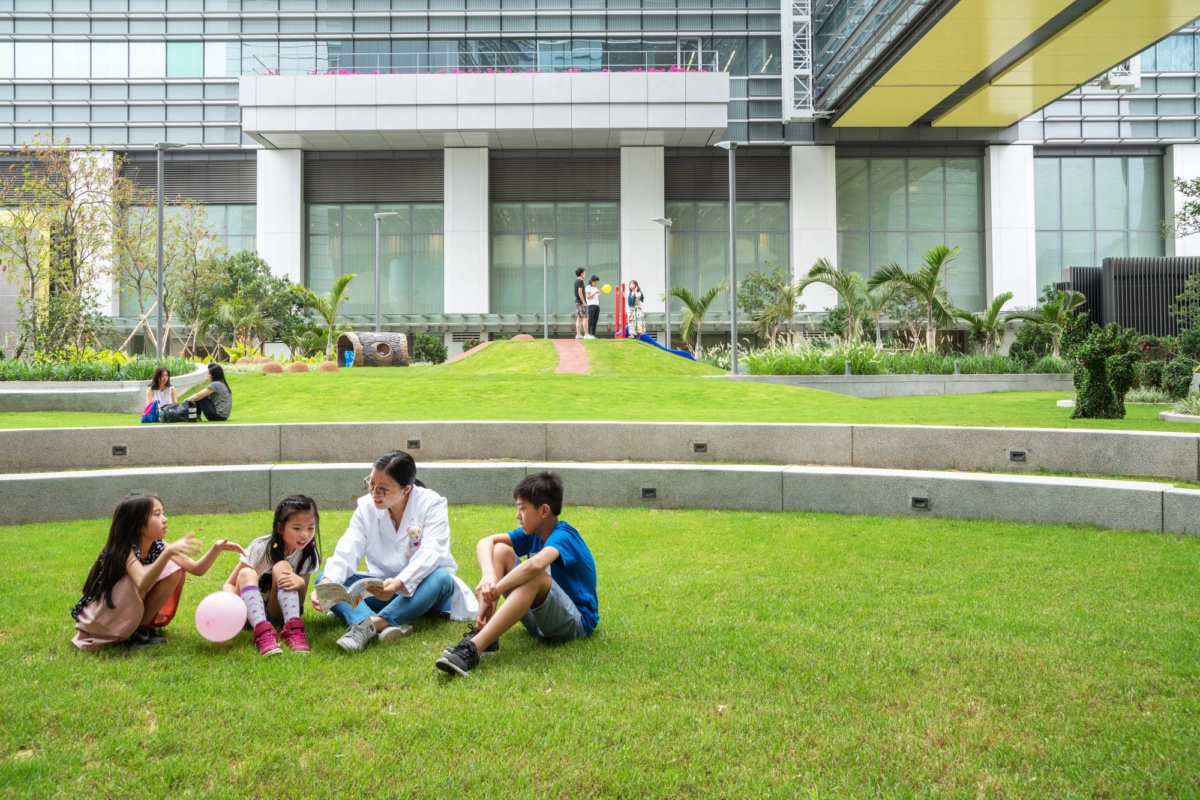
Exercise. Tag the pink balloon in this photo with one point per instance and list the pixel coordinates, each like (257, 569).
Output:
(220, 616)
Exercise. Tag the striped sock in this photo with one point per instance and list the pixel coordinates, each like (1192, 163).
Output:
(290, 603)
(253, 599)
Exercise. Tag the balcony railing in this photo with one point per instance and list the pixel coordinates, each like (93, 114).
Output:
(680, 60)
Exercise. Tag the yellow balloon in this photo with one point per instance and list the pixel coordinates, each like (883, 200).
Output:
(606, 288)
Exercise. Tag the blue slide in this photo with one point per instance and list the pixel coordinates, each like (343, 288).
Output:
(648, 340)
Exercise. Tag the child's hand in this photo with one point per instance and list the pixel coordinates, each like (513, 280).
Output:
(187, 546)
(291, 582)
(226, 546)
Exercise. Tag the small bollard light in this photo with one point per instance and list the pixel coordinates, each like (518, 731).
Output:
(847, 367)
(956, 366)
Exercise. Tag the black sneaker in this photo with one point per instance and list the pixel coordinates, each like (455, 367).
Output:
(461, 659)
(155, 636)
(490, 650)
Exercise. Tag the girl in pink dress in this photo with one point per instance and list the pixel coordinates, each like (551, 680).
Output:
(133, 589)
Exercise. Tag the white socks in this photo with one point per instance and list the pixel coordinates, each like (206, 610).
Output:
(289, 603)
(252, 597)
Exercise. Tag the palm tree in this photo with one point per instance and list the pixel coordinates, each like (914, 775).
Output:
(1052, 317)
(989, 324)
(771, 317)
(327, 304)
(244, 318)
(927, 283)
(849, 287)
(695, 309)
(876, 299)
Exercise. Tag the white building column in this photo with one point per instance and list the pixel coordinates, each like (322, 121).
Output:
(280, 229)
(1010, 241)
(813, 211)
(467, 216)
(1182, 161)
(643, 254)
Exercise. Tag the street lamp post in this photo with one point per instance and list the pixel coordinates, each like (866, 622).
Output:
(666, 223)
(545, 283)
(733, 361)
(161, 147)
(380, 215)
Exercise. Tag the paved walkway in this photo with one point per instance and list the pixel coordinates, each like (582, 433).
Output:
(572, 358)
(470, 352)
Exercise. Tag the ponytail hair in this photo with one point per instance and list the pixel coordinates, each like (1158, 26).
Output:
(400, 467)
(287, 508)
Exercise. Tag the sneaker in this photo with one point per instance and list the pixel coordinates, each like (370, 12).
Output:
(357, 637)
(153, 635)
(490, 650)
(461, 659)
(394, 632)
(265, 639)
(577, 336)
(293, 635)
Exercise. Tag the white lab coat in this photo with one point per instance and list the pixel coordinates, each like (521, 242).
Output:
(389, 555)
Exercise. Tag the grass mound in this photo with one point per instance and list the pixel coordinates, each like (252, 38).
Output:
(525, 356)
(738, 655)
(630, 358)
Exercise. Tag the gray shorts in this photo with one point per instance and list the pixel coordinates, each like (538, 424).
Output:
(557, 619)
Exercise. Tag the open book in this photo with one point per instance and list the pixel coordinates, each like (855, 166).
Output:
(330, 594)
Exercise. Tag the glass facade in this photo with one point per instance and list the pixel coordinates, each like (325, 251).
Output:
(585, 235)
(1090, 208)
(894, 209)
(235, 225)
(700, 243)
(341, 240)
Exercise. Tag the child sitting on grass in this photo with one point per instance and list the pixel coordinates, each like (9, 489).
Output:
(552, 593)
(278, 565)
(127, 597)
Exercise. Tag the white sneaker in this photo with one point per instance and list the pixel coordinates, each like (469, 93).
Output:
(589, 336)
(394, 632)
(577, 336)
(357, 637)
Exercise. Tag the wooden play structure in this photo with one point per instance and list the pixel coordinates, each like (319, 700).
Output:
(373, 349)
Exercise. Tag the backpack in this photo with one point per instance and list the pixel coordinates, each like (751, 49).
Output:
(150, 414)
(178, 412)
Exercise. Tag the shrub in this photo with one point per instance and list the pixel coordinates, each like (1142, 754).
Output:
(428, 348)
(1149, 374)
(1031, 344)
(1189, 404)
(1189, 343)
(1147, 395)
(808, 359)
(1050, 365)
(717, 356)
(1104, 372)
(469, 343)
(1177, 378)
(12, 369)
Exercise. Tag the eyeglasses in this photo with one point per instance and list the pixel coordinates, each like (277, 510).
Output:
(375, 490)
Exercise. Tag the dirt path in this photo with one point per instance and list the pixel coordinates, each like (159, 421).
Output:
(572, 358)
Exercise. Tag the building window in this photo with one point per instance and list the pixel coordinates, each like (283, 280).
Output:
(1088, 209)
(700, 243)
(235, 225)
(894, 209)
(341, 240)
(585, 235)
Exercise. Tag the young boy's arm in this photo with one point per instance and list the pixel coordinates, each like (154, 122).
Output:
(526, 571)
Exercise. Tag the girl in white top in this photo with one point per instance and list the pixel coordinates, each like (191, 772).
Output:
(403, 529)
(160, 388)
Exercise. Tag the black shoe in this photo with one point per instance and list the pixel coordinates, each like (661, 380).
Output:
(490, 650)
(461, 659)
(155, 636)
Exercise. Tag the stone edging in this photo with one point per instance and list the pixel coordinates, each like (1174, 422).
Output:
(869, 386)
(1126, 505)
(113, 397)
(1171, 416)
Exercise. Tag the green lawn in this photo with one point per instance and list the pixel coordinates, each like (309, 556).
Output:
(630, 381)
(738, 655)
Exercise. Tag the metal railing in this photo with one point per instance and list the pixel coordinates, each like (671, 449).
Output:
(680, 60)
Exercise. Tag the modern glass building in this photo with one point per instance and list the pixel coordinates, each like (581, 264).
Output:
(866, 132)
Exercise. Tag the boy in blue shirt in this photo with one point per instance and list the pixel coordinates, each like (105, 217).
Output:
(552, 592)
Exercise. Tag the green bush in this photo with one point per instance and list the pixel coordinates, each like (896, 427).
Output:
(428, 348)
(12, 369)
(1146, 395)
(865, 360)
(1190, 404)
(1149, 374)
(1104, 372)
(1189, 343)
(1177, 378)
(1031, 344)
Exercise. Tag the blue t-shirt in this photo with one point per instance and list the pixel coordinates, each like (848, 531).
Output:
(573, 570)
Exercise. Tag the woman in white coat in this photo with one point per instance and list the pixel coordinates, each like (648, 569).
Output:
(404, 531)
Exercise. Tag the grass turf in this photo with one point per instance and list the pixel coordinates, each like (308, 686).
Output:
(738, 655)
(629, 381)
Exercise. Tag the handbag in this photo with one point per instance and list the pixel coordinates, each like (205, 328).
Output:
(178, 412)
(150, 414)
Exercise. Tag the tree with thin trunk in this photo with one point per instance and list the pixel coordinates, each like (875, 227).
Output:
(876, 300)
(694, 311)
(928, 283)
(988, 326)
(1053, 317)
(778, 312)
(849, 287)
(327, 305)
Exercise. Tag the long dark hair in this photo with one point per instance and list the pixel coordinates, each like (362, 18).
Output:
(288, 506)
(158, 376)
(400, 467)
(124, 534)
(216, 374)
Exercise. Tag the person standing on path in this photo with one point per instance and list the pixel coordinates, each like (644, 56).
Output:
(580, 304)
(593, 306)
(637, 323)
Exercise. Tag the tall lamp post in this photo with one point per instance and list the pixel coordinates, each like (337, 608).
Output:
(666, 223)
(380, 215)
(545, 283)
(732, 148)
(161, 147)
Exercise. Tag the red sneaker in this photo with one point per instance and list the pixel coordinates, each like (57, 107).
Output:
(293, 635)
(265, 639)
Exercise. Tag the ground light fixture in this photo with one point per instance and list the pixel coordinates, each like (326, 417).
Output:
(161, 147)
(378, 216)
(545, 282)
(666, 223)
(732, 148)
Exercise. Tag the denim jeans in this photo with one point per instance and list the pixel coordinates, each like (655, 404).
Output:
(432, 596)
